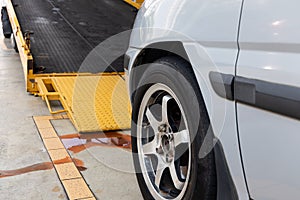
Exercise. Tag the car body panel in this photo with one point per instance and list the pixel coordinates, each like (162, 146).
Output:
(221, 112)
(270, 47)
(214, 23)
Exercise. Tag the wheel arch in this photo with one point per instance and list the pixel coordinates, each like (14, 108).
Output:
(151, 53)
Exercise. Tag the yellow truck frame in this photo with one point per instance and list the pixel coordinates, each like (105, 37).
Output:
(102, 106)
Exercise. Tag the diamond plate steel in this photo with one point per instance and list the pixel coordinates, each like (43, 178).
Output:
(96, 103)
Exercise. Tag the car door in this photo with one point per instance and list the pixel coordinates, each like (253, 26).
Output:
(267, 90)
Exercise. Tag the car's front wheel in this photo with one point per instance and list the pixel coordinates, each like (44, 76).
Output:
(168, 128)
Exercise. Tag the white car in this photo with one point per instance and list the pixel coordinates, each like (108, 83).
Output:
(215, 89)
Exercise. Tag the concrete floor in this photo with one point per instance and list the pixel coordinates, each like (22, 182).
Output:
(109, 172)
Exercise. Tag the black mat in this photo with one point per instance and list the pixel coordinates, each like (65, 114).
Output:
(65, 31)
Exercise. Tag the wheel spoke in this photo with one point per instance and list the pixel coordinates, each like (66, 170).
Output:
(164, 108)
(177, 183)
(149, 148)
(181, 137)
(152, 120)
(159, 171)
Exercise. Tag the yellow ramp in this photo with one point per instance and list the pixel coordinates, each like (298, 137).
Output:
(94, 102)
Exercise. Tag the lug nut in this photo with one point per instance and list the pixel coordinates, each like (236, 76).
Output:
(169, 158)
(162, 128)
(159, 150)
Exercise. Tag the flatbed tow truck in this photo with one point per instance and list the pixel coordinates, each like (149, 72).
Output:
(54, 37)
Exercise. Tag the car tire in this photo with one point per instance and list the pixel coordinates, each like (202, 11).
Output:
(169, 123)
(8, 35)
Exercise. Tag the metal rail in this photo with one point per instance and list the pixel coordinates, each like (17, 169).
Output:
(135, 3)
(24, 50)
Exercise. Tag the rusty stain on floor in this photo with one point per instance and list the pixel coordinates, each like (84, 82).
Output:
(42, 166)
(67, 168)
(79, 142)
(35, 167)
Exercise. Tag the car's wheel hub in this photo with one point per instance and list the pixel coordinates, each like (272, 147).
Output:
(166, 147)
(163, 143)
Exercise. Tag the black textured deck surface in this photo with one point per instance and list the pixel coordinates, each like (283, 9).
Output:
(65, 31)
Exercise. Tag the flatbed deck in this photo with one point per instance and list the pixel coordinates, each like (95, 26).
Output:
(65, 31)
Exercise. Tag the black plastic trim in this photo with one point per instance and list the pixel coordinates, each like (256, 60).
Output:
(277, 98)
(274, 97)
(222, 84)
(226, 188)
(126, 62)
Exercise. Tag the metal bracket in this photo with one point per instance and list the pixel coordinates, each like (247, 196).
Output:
(27, 35)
